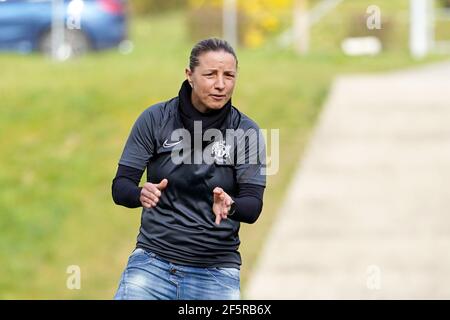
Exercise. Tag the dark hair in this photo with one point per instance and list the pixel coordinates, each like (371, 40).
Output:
(206, 45)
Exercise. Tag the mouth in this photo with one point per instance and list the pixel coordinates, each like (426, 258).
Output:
(218, 96)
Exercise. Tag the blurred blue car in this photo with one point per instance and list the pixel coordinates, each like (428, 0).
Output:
(25, 25)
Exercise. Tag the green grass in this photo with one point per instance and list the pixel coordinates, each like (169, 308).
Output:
(63, 126)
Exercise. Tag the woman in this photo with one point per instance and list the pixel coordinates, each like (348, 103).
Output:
(187, 247)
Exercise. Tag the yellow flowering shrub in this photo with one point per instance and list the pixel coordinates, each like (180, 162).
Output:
(257, 19)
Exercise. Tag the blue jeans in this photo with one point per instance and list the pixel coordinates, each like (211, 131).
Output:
(149, 277)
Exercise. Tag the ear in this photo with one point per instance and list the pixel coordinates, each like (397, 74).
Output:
(188, 73)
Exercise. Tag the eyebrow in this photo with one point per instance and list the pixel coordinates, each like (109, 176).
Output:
(233, 71)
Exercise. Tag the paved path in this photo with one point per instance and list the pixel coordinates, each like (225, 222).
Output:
(368, 213)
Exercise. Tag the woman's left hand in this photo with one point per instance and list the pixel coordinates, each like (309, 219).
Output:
(222, 204)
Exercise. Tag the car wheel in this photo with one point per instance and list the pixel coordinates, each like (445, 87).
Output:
(76, 44)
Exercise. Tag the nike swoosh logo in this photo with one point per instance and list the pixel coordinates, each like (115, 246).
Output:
(168, 145)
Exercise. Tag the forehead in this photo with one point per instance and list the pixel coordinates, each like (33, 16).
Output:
(217, 60)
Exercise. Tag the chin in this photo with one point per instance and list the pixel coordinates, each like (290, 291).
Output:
(215, 106)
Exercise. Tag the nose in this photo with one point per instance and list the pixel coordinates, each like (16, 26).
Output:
(219, 84)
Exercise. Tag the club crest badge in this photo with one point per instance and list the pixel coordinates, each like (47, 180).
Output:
(221, 152)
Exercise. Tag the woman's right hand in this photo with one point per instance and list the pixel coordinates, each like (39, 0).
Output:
(151, 192)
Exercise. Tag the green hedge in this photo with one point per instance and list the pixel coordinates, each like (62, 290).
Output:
(142, 7)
